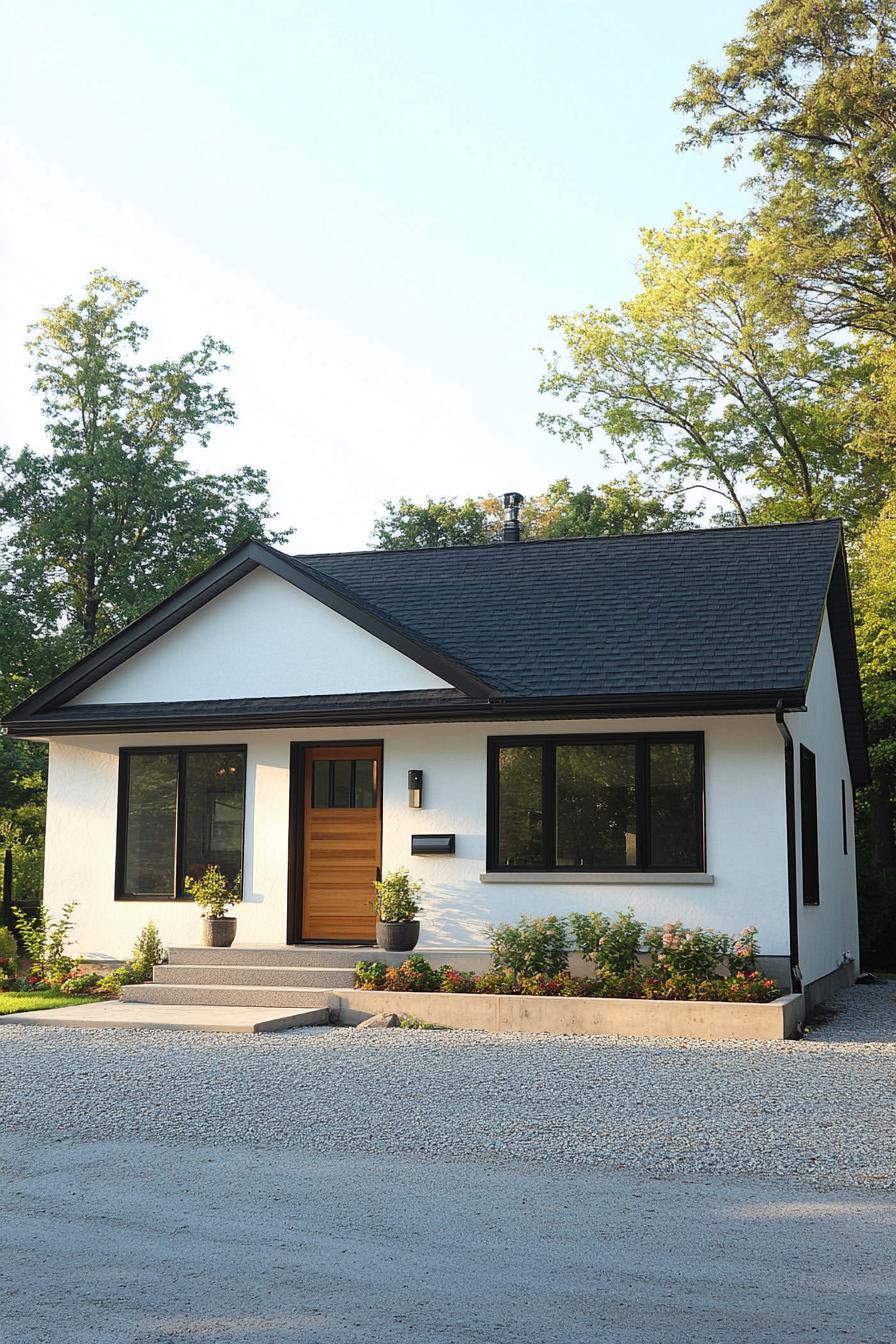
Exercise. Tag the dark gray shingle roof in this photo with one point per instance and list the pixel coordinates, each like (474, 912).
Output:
(735, 609)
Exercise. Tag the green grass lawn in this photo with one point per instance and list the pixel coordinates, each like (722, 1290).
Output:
(29, 1002)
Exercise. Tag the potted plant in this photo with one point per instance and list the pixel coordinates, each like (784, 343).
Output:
(214, 894)
(395, 904)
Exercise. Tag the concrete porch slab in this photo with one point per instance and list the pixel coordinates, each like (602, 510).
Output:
(172, 1017)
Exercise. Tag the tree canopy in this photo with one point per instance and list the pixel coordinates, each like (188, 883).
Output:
(561, 511)
(112, 518)
(697, 382)
(109, 517)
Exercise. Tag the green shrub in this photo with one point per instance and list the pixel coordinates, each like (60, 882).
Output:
(9, 957)
(414, 974)
(531, 946)
(213, 893)
(370, 975)
(611, 944)
(45, 942)
(148, 952)
(496, 982)
(692, 954)
(743, 951)
(395, 901)
(80, 984)
(738, 988)
(456, 982)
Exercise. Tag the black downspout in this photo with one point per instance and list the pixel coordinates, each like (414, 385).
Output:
(796, 978)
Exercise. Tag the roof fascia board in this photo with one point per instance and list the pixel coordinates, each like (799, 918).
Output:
(221, 575)
(156, 720)
(846, 664)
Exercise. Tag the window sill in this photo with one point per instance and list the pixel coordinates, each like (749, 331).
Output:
(634, 878)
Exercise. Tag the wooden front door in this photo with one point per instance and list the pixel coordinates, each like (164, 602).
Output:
(342, 843)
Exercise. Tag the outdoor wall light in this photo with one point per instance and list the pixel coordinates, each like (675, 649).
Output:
(415, 788)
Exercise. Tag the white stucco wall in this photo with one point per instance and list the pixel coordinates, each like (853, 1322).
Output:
(746, 842)
(829, 931)
(261, 637)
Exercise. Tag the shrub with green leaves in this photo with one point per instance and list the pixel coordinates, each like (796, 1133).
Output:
(611, 944)
(692, 954)
(414, 974)
(46, 941)
(396, 897)
(213, 893)
(743, 951)
(9, 957)
(370, 974)
(148, 952)
(81, 984)
(531, 946)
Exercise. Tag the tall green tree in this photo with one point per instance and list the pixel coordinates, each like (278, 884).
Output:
(108, 518)
(112, 518)
(697, 382)
(809, 91)
(605, 510)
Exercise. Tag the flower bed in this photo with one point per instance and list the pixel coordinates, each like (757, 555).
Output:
(531, 959)
(415, 975)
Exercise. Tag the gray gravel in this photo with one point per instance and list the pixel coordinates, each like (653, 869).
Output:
(820, 1111)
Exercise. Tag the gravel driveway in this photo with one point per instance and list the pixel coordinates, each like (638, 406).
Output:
(821, 1110)
(331, 1184)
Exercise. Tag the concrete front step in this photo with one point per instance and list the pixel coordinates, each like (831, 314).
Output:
(339, 957)
(258, 977)
(174, 1017)
(234, 996)
(310, 954)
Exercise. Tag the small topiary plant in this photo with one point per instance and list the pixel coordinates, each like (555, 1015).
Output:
(531, 946)
(396, 897)
(213, 893)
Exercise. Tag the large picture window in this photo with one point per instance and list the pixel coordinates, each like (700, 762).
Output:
(596, 804)
(179, 811)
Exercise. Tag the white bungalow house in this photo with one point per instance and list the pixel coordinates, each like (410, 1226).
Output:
(670, 722)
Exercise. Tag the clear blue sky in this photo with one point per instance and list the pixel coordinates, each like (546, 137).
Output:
(376, 203)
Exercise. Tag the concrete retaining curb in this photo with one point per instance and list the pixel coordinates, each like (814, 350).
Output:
(776, 1021)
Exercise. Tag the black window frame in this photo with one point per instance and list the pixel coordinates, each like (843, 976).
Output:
(549, 742)
(809, 848)
(121, 836)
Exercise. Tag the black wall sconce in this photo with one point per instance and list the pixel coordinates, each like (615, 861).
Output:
(415, 788)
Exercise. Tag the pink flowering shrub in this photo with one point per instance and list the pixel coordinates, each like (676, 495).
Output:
(698, 964)
(610, 944)
(692, 954)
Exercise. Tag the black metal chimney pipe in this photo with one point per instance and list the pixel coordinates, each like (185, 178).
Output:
(512, 502)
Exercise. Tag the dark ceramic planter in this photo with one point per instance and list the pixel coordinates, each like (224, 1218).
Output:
(219, 932)
(397, 936)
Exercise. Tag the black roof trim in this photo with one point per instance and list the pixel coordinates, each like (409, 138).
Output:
(846, 662)
(249, 555)
(389, 707)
